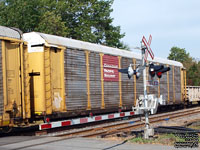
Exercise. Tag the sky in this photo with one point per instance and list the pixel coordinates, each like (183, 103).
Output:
(170, 22)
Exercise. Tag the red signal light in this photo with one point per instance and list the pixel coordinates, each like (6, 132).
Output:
(165, 69)
(159, 74)
(158, 69)
(154, 68)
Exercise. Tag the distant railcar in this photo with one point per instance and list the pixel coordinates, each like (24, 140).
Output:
(193, 94)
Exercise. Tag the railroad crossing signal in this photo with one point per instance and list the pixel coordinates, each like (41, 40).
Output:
(148, 48)
(158, 70)
(148, 104)
(154, 68)
(130, 71)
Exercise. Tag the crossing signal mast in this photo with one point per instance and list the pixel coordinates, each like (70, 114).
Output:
(146, 103)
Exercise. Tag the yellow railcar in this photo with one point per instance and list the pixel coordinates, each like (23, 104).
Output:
(14, 79)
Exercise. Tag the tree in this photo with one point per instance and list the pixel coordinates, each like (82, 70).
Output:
(87, 20)
(21, 14)
(193, 74)
(178, 54)
(192, 67)
(52, 24)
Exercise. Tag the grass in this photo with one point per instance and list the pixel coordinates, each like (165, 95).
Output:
(195, 127)
(164, 139)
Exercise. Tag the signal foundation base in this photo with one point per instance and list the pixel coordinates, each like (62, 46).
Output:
(148, 133)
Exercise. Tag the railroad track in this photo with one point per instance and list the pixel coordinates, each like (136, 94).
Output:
(124, 126)
(102, 131)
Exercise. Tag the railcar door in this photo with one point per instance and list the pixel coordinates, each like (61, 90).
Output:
(57, 79)
(12, 79)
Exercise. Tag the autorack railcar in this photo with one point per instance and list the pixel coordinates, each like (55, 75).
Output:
(73, 78)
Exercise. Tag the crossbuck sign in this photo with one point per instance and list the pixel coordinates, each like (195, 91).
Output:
(148, 48)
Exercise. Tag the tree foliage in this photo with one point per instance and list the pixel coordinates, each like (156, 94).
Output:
(193, 74)
(87, 20)
(192, 66)
(178, 54)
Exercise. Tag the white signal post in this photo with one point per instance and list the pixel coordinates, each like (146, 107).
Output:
(145, 88)
(145, 104)
(145, 48)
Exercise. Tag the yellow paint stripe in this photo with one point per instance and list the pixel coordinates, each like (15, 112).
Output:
(102, 82)
(120, 83)
(88, 81)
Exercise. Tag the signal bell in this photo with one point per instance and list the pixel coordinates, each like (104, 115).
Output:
(130, 72)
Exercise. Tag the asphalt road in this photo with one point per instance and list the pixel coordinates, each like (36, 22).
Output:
(57, 143)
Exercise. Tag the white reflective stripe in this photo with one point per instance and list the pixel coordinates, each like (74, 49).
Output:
(127, 113)
(91, 119)
(117, 115)
(75, 121)
(104, 117)
(56, 124)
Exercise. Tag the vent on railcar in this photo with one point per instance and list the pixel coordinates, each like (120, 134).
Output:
(75, 79)
(139, 82)
(171, 88)
(95, 80)
(164, 85)
(177, 84)
(127, 84)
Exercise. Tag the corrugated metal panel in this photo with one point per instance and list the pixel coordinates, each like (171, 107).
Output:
(139, 82)
(95, 80)
(163, 86)
(177, 80)
(171, 90)
(1, 83)
(111, 94)
(127, 84)
(152, 89)
(75, 79)
(9, 32)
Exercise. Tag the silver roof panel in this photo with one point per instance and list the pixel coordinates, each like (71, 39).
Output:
(35, 38)
(10, 32)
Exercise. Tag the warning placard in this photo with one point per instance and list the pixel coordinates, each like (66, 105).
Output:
(110, 68)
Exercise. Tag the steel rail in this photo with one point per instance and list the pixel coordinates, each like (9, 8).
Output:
(127, 125)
